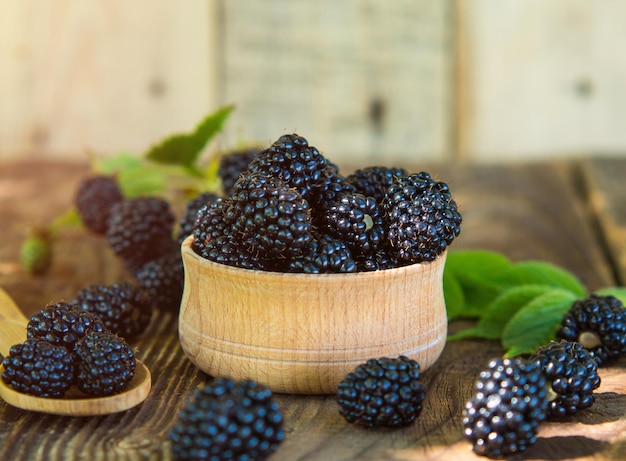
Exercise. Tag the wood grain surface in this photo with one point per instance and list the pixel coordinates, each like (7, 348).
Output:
(536, 211)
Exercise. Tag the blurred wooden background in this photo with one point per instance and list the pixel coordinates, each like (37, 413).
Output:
(364, 80)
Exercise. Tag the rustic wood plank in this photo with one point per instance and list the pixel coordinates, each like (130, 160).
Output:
(604, 179)
(525, 211)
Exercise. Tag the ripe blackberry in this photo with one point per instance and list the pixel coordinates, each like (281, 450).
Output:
(375, 261)
(141, 229)
(228, 420)
(294, 162)
(190, 215)
(421, 216)
(572, 374)
(358, 221)
(94, 198)
(326, 255)
(39, 368)
(599, 324)
(232, 164)
(211, 222)
(508, 404)
(105, 364)
(330, 188)
(382, 392)
(163, 279)
(63, 324)
(272, 219)
(373, 181)
(124, 308)
(223, 250)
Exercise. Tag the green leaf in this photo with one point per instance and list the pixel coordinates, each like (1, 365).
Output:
(618, 292)
(477, 272)
(541, 273)
(501, 310)
(535, 324)
(184, 149)
(453, 295)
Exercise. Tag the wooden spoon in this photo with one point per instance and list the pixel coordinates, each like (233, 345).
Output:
(13, 331)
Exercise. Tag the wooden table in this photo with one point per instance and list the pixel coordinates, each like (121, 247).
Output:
(571, 214)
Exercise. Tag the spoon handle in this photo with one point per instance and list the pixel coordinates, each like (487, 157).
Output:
(12, 323)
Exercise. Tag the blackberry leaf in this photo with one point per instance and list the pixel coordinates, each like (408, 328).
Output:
(536, 323)
(543, 273)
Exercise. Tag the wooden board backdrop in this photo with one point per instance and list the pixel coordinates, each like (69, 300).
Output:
(362, 79)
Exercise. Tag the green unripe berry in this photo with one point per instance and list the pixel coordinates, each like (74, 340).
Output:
(36, 254)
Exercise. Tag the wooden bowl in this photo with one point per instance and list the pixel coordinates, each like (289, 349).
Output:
(302, 333)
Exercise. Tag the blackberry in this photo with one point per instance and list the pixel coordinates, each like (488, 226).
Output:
(375, 261)
(508, 405)
(326, 254)
(232, 164)
(373, 181)
(223, 250)
(228, 420)
(94, 198)
(572, 374)
(272, 219)
(357, 220)
(39, 368)
(105, 364)
(421, 217)
(328, 191)
(63, 324)
(190, 215)
(163, 280)
(141, 229)
(384, 392)
(124, 308)
(294, 162)
(211, 222)
(599, 324)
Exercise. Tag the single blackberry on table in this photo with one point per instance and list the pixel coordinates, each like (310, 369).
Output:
(508, 404)
(358, 221)
(421, 216)
(228, 420)
(39, 368)
(124, 308)
(373, 181)
(162, 280)
(599, 324)
(105, 364)
(190, 215)
(383, 392)
(141, 229)
(572, 374)
(63, 324)
(95, 195)
(232, 164)
(326, 255)
(292, 160)
(272, 219)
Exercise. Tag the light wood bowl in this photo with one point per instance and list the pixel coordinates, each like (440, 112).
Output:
(303, 333)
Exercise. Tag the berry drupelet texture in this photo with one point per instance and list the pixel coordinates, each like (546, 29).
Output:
(507, 406)
(63, 324)
(599, 324)
(572, 374)
(384, 392)
(94, 198)
(373, 181)
(421, 216)
(211, 222)
(292, 160)
(228, 420)
(326, 255)
(141, 229)
(106, 364)
(162, 280)
(190, 214)
(232, 164)
(39, 368)
(124, 308)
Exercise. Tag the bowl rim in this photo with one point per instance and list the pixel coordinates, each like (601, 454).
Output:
(187, 251)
